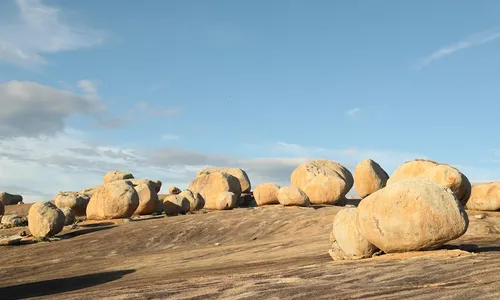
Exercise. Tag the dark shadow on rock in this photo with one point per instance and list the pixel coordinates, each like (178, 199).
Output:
(61, 285)
(97, 224)
(472, 248)
(77, 232)
(145, 218)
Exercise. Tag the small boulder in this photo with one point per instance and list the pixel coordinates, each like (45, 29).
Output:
(241, 175)
(411, 215)
(175, 204)
(9, 221)
(196, 201)
(226, 200)
(292, 196)
(369, 177)
(347, 241)
(211, 185)
(69, 216)
(113, 201)
(148, 199)
(76, 201)
(485, 197)
(10, 199)
(326, 190)
(116, 175)
(266, 194)
(174, 190)
(45, 220)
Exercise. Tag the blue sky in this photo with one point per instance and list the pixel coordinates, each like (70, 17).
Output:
(164, 88)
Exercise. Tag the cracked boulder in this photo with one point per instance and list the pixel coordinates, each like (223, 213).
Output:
(411, 215)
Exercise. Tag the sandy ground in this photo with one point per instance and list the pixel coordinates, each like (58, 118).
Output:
(269, 252)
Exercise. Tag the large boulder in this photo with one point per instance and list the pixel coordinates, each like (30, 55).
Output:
(211, 185)
(69, 216)
(485, 196)
(148, 199)
(116, 175)
(113, 201)
(45, 220)
(266, 194)
(347, 241)
(10, 199)
(411, 215)
(292, 196)
(76, 201)
(443, 174)
(196, 201)
(175, 204)
(236, 172)
(333, 183)
(369, 177)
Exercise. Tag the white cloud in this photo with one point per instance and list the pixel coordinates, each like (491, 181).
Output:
(169, 137)
(31, 109)
(470, 41)
(87, 86)
(353, 112)
(158, 111)
(40, 29)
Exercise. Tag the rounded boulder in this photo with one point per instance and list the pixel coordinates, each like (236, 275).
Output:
(450, 177)
(485, 196)
(116, 175)
(76, 201)
(236, 172)
(326, 190)
(175, 204)
(292, 196)
(45, 220)
(148, 199)
(211, 185)
(69, 216)
(196, 201)
(411, 215)
(369, 177)
(113, 201)
(411, 169)
(266, 194)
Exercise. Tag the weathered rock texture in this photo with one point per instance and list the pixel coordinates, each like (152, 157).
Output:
(116, 175)
(347, 241)
(69, 215)
(196, 201)
(329, 181)
(175, 204)
(292, 196)
(236, 172)
(410, 215)
(369, 177)
(76, 201)
(485, 196)
(211, 185)
(266, 194)
(45, 220)
(148, 199)
(113, 201)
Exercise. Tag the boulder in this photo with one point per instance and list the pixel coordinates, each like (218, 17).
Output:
(155, 184)
(69, 215)
(2, 209)
(411, 215)
(226, 200)
(116, 175)
(322, 189)
(174, 190)
(292, 196)
(369, 177)
(347, 241)
(211, 185)
(76, 201)
(485, 196)
(175, 204)
(148, 199)
(196, 201)
(266, 194)
(12, 221)
(450, 177)
(236, 172)
(45, 220)
(113, 201)
(411, 169)
(10, 199)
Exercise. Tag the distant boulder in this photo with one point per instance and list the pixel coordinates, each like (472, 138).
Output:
(241, 175)
(45, 220)
(196, 201)
(69, 216)
(116, 175)
(113, 201)
(292, 196)
(148, 199)
(175, 204)
(369, 177)
(77, 202)
(10, 199)
(212, 185)
(174, 190)
(485, 196)
(266, 194)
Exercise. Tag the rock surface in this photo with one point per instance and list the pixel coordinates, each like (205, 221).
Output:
(236, 172)
(211, 185)
(148, 199)
(411, 169)
(411, 215)
(174, 190)
(347, 241)
(45, 220)
(196, 201)
(369, 177)
(9, 221)
(10, 199)
(69, 216)
(485, 196)
(326, 190)
(113, 201)
(266, 194)
(76, 201)
(175, 204)
(116, 175)
(292, 196)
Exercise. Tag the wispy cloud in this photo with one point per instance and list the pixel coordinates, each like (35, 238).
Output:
(353, 112)
(39, 29)
(158, 111)
(169, 137)
(470, 41)
(87, 86)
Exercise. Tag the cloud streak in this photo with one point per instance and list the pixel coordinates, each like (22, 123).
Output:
(470, 41)
(353, 112)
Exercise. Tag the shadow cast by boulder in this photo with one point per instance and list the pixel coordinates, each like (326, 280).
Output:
(61, 285)
(472, 248)
(75, 233)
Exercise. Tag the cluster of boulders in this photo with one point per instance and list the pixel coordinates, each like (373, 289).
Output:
(419, 207)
